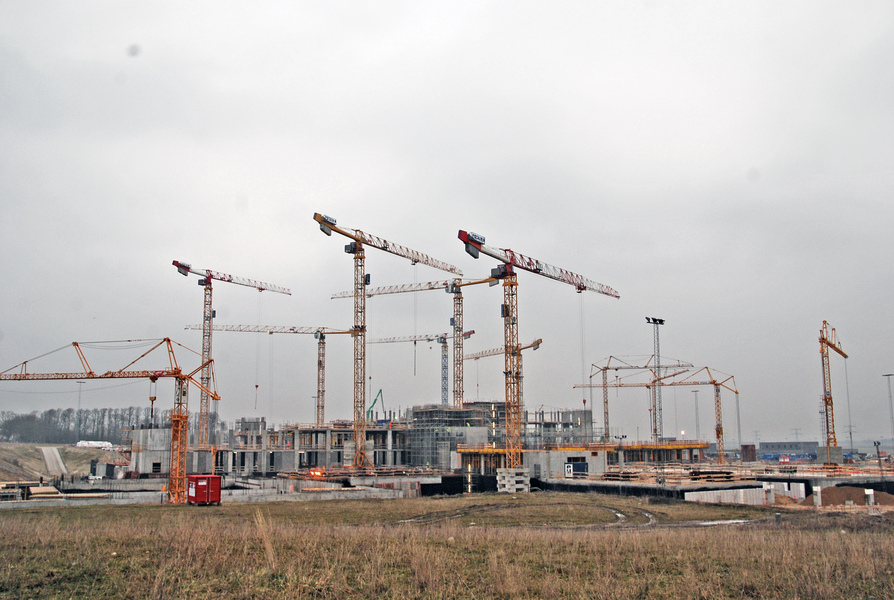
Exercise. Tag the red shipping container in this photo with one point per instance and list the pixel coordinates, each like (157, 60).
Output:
(203, 489)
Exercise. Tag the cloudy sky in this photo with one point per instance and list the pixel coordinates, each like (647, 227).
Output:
(726, 167)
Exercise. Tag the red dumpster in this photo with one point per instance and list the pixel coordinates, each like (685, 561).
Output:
(203, 489)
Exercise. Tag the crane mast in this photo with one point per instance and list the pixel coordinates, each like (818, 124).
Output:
(207, 276)
(356, 248)
(455, 287)
(828, 340)
(509, 260)
(319, 334)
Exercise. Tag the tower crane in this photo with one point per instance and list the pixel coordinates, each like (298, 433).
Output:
(726, 381)
(618, 365)
(207, 276)
(501, 350)
(451, 286)
(179, 415)
(828, 341)
(510, 260)
(441, 338)
(361, 280)
(319, 334)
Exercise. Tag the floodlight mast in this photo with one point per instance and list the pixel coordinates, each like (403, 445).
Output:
(356, 248)
(657, 410)
(510, 259)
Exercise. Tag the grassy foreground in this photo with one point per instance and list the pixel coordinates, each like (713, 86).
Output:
(482, 546)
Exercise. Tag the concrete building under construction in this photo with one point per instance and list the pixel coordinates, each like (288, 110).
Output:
(470, 440)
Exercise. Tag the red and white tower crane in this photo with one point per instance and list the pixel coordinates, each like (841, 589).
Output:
(319, 334)
(207, 276)
(356, 248)
(441, 338)
(510, 260)
(829, 341)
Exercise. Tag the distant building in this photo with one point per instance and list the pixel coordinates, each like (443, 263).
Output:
(804, 449)
(98, 445)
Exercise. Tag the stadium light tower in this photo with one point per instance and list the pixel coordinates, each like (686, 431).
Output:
(657, 422)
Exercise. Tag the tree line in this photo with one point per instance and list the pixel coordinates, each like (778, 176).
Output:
(69, 426)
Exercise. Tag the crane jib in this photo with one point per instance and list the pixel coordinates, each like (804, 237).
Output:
(474, 244)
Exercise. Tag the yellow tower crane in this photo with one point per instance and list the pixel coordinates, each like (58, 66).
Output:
(509, 260)
(828, 340)
(723, 381)
(617, 364)
(356, 248)
(179, 415)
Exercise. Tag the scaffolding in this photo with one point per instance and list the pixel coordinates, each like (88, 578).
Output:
(435, 431)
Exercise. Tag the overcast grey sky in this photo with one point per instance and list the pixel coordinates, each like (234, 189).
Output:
(724, 166)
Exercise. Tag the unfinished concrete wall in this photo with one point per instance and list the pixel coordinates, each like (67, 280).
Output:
(550, 464)
(751, 496)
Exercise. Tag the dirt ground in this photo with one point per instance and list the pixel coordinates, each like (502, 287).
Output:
(839, 496)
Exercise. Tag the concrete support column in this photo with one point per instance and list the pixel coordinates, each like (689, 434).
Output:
(389, 455)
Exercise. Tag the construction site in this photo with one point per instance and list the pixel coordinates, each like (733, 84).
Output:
(455, 445)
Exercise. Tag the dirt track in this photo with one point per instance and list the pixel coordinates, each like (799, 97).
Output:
(51, 456)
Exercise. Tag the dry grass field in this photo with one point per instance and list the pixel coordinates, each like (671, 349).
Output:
(482, 546)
